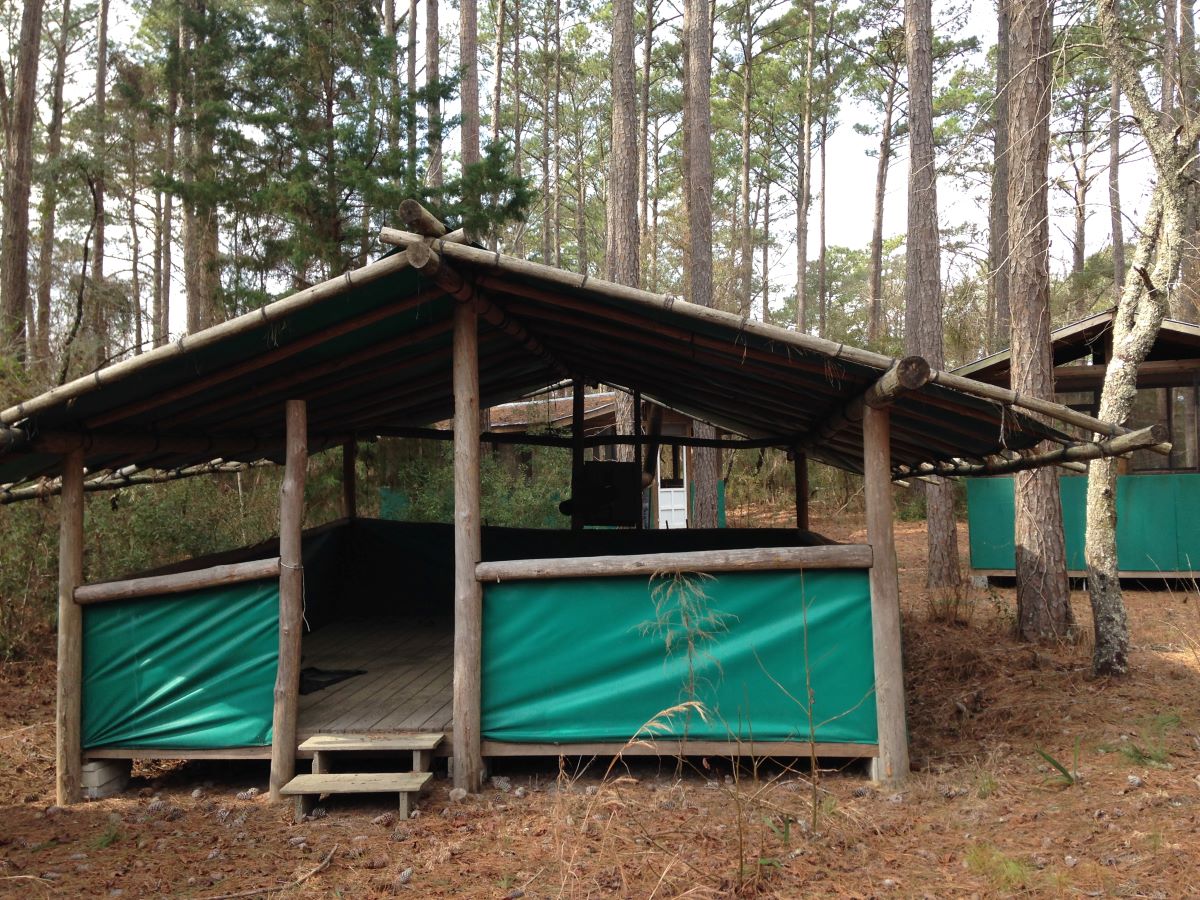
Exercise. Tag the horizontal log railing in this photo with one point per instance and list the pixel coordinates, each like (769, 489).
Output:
(178, 582)
(837, 556)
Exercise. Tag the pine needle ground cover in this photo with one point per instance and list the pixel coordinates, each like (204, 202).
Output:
(984, 814)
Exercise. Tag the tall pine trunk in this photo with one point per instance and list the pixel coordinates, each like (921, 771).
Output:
(410, 102)
(698, 182)
(518, 161)
(622, 252)
(644, 129)
(18, 178)
(433, 64)
(498, 87)
(162, 327)
(49, 205)
(468, 52)
(998, 262)
(923, 291)
(805, 191)
(745, 262)
(557, 200)
(98, 293)
(1114, 187)
(822, 249)
(875, 271)
(1043, 596)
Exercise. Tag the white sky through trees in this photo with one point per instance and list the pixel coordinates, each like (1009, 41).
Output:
(850, 182)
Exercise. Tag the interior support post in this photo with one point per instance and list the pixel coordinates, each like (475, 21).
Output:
(468, 592)
(68, 743)
(801, 461)
(891, 766)
(350, 479)
(637, 456)
(291, 599)
(577, 417)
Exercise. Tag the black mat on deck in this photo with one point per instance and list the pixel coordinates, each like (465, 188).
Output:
(313, 679)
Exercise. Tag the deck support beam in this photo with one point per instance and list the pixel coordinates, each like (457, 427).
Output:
(68, 743)
(891, 766)
(468, 592)
(291, 599)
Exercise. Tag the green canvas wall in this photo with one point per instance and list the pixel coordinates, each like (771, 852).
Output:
(583, 660)
(1158, 522)
(189, 671)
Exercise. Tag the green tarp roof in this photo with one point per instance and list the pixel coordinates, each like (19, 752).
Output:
(371, 350)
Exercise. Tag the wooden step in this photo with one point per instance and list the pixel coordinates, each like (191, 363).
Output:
(421, 743)
(385, 740)
(305, 788)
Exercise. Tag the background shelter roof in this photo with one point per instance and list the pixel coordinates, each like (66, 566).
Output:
(1091, 336)
(371, 351)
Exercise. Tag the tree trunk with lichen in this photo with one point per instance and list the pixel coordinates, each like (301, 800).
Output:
(1144, 300)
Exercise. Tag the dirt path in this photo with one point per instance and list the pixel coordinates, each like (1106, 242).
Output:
(983, 814)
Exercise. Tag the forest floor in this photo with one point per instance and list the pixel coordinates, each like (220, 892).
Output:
(983, 814)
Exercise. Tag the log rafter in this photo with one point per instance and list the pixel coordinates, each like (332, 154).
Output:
(1150, 438)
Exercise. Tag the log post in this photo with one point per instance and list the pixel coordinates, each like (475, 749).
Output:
(638, 454)
(801, 460)
(291, 599)
(577, 417)
(468, 592)
(68, 743)
(891, 766)
(350, 479)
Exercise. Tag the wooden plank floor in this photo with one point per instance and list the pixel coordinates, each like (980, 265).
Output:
(407, 685)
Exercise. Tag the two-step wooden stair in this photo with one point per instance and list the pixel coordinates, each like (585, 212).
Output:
(324, 747)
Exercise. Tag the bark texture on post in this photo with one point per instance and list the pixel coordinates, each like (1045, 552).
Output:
(68, 739)
(291, 599)
(1043, 595)
(922, 287)
(801, 491)
(891, 766)
(468, 593)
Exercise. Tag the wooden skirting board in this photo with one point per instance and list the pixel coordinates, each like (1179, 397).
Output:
(506, 748)
(1079, 573)
(681, 748)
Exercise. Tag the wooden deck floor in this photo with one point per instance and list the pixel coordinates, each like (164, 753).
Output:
(407, 685)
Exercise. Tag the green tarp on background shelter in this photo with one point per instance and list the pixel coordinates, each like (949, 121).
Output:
(190, 671)
(581, 659)
(1158, 522)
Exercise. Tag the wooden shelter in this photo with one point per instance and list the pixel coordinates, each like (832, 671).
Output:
(431, 331)
(1158, 489)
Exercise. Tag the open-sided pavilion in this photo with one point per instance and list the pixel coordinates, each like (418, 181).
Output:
(433, 330)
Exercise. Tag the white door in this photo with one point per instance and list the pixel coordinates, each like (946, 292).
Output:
(673, 501)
